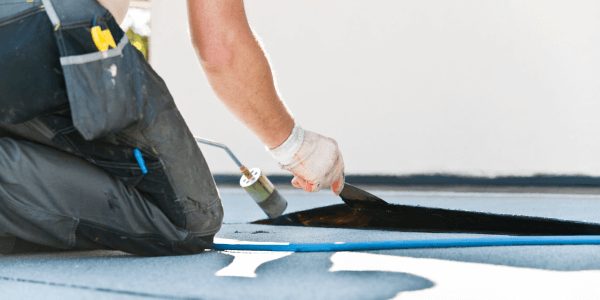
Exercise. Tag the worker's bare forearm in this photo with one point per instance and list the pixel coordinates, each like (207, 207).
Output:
(237, 68)
(246, 87)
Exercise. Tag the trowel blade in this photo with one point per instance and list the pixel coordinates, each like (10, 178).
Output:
(357, 198)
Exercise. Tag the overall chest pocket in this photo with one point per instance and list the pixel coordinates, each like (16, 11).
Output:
(109, 90)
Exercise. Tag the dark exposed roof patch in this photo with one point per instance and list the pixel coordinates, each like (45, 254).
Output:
(365, 211)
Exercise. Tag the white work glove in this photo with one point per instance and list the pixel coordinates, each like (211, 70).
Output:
(315, 161)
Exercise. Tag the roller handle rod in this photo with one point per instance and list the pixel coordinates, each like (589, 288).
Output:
(219, 145)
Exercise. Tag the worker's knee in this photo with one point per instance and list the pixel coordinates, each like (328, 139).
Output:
(203, 219)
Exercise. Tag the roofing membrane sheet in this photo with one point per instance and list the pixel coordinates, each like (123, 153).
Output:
(517, 272)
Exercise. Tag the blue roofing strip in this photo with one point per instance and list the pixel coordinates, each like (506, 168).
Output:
(411, 244)
(138, 156)
(445, 180)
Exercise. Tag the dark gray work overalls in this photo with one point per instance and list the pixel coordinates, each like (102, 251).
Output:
(69, 178)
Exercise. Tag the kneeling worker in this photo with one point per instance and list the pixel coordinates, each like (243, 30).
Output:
(93, 151)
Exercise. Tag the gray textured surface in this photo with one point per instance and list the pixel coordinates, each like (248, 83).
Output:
(116, 275)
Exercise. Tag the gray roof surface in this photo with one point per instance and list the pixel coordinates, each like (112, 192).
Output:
(517, 272)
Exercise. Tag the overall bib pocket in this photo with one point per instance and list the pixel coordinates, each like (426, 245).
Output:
(107, 90)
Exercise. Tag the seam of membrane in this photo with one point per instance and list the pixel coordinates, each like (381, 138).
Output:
(95, 289)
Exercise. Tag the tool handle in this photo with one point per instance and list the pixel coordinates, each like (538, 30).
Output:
(219, 145)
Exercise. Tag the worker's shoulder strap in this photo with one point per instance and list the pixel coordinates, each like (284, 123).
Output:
(51, 13)
(69, 11)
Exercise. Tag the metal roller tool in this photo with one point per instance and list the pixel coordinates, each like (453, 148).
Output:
(256, 184)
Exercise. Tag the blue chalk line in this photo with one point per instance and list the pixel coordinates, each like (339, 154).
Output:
(412, 244)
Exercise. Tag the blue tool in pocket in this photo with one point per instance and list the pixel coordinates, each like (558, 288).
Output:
(140, 159)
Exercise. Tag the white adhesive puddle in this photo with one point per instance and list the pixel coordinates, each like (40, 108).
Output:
(464, 280)
(245, 263)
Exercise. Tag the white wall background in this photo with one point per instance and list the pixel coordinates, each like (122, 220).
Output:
(482, 88)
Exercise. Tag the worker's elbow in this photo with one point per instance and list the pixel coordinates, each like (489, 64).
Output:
(214, 55)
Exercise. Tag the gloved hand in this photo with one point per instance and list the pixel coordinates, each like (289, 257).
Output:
(315, 161)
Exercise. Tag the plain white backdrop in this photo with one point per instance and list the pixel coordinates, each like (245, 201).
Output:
(483, 88)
